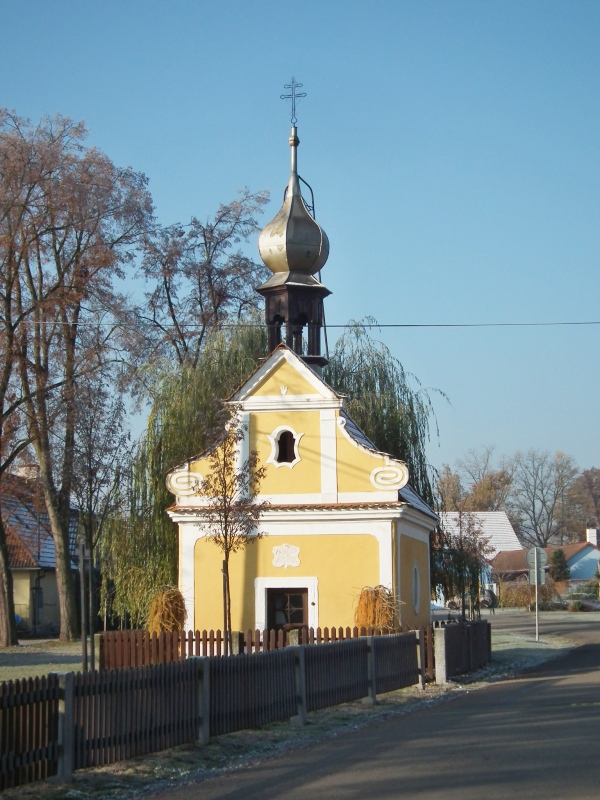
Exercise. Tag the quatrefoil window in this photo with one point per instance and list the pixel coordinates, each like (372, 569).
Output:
(284, 447)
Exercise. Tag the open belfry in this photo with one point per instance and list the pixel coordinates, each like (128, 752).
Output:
(341, 515)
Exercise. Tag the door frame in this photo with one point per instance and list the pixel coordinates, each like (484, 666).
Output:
(260, 597)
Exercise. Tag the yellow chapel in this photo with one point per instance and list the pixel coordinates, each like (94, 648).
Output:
(341, 514)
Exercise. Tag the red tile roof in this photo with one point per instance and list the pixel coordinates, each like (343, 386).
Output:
(515, 561)
(19, 556)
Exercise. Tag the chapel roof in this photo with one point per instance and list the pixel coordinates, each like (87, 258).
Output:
(293, 243)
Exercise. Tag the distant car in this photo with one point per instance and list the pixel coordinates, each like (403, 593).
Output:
(487, 599)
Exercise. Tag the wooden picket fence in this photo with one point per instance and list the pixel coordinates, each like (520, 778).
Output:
(51, 726)
(251, 690)
(28, 730)
(123, 649)
(120, 714)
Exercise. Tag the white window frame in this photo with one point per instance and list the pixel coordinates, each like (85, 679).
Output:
(274, 439)
(260, 597)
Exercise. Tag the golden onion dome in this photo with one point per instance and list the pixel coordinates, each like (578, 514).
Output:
(293, 241)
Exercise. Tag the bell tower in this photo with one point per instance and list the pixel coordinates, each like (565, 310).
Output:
(294, 247)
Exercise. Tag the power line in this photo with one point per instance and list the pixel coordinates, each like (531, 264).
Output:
(357, 324)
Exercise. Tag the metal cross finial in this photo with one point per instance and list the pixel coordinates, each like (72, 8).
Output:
(293, 96)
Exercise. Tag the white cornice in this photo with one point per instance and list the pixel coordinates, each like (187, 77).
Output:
(307, 516)
(295, 402)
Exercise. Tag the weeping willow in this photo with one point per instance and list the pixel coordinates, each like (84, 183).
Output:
(388, 403)
(140, 547)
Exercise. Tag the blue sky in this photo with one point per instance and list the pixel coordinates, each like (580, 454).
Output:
(454, 149)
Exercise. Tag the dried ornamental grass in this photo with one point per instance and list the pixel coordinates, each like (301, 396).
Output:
(376, 608)
(167, 610)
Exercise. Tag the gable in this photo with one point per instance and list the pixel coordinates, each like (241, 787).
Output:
(282, 377)
(285, 380)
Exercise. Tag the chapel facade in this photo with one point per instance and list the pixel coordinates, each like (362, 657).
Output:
(341, 514)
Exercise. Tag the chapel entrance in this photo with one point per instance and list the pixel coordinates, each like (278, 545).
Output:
(287, 609)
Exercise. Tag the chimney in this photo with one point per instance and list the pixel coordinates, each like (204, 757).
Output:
(591, 536)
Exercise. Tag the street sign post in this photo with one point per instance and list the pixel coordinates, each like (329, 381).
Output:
(541, 577)
(537, 560)
(540, 554)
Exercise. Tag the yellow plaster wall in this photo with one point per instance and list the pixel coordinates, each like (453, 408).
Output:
(50, 614)
(411, 551)
(303, 477)
(284, 375)
(343, 564)
(23, 582)
(22, 591)
(355, 466)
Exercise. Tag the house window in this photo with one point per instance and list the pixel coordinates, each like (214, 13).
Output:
(284, 447)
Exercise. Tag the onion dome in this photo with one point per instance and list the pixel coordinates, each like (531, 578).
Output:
(293, 242)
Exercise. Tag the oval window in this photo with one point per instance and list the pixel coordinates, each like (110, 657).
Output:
(416, 587)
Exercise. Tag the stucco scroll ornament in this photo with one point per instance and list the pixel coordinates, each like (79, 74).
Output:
(394, 475)
(183, 483)
(286, 555)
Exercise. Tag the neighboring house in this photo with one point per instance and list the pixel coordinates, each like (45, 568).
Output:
(342, 515)
(582, 559)
(31, 553)
(494, 525)
(496, 529)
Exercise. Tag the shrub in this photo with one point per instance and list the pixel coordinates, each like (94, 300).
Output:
(522, 595)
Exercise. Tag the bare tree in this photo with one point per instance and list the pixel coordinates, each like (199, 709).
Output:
(25, 166)
(540, 495)
(232, 511)
(475, 485)
(102, 454)
(490, 486)
(75, 230)
(585, 497)
(200, 277)
(464, 553)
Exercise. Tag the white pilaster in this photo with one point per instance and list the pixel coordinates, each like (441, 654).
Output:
(189, 535)
(328, 456)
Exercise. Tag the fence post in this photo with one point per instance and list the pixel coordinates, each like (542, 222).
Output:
(421, 655)
(471, 655)
(237, 643)
(203, 666)
(430, 659)
(371, 698)
(66, 726)
(300, 677)
(440, 656)
(294, 637)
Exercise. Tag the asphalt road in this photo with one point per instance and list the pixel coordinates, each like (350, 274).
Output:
(535, 736)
